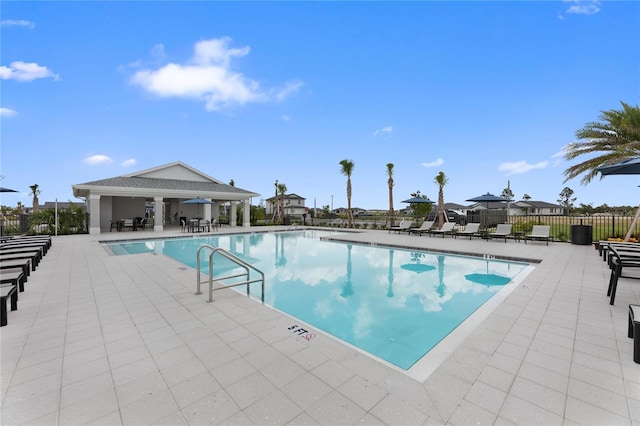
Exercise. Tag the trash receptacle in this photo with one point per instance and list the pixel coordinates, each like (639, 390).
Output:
(581, 234)
(287, 220)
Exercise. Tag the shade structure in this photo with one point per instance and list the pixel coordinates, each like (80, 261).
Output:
(197, 200)
(417, 267)
(3, 189)
(418, 200)
(626, 167)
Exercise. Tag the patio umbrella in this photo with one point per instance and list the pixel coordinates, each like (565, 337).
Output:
(197, 200)
(626, 167)
(487, 198)
(488, 279)
(3, 189)
(418, 200)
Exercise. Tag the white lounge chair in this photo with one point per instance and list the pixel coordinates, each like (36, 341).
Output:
(539, 233)
(425, 227)
(447, 228)
(503, 230)
(403, 226)
(471, 230)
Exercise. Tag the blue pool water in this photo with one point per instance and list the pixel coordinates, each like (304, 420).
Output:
(394, 303)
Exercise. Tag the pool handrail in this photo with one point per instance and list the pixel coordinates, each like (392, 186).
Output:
(235, 259)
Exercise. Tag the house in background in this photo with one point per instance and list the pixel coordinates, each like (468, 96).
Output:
(355, 210)
(519, 208)
(158, 193)
(293, 205)
(528, 207)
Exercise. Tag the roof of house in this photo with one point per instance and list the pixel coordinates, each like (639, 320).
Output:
(170, 180)
(538, 204)
(291, 196)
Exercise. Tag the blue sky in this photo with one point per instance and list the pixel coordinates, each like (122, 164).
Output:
(487, 92)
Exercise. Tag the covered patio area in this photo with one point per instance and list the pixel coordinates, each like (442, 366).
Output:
(157, 196)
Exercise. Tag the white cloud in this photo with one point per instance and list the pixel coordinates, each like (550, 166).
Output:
(97, 159)
(518, 167)
(130, 162)
(17, 23)
(385, 130)
(558, 157)
(284, 92)
(208, 77)
(7, 112)
(560, 154)
(286, 117)
(583, 7)
(435, 163)
(25, 71)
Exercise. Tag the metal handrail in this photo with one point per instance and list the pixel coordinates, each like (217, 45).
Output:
(235, 259)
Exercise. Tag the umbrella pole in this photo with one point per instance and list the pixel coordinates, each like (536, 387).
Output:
(633, 225)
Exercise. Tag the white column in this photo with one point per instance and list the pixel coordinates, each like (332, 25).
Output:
(232, 218)
(246, 214)
(94, 214)
(158, 214)
(215, 213)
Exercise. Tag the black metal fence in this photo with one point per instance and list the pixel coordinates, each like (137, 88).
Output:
(602, 226)
(19, 224)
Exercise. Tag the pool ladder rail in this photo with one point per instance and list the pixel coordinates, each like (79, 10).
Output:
(235, 259)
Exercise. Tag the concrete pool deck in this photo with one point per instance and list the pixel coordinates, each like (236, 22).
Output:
(123, 340)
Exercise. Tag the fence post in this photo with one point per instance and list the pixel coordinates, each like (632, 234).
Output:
(613, 225)
(24, 223)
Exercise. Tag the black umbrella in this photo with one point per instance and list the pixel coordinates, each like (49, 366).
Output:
(3, 189)
(487, 198)
(197, 200)
(626, 167)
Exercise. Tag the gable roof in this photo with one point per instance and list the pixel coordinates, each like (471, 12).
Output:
(175, 170)
(287, 197)
(173, 180)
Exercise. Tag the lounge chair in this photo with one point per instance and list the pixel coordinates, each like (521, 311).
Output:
(471, 230)
(447, 228)
(619, 258)
(6, 292)
(503, 230)
(539, 233)
(425, 227)
(403, 226)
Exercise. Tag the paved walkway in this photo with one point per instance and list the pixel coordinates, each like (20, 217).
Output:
(123, 340)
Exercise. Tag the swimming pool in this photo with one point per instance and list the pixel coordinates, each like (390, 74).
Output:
(393, 303)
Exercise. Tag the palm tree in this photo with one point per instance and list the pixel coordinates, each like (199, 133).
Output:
(616, 137)
(346, 168)
(390, 183)
(441, 180)
(34, 193)
(282, 189)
